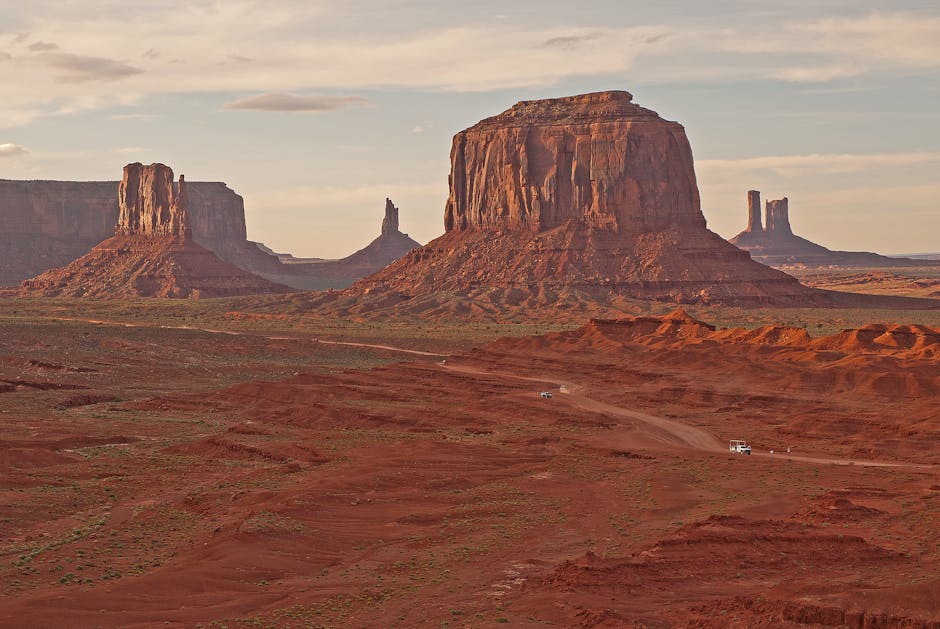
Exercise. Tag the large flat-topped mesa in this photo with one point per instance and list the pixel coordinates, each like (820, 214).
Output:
(597, 159)
(571, 204)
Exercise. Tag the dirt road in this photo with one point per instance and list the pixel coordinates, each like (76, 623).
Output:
(660, 432)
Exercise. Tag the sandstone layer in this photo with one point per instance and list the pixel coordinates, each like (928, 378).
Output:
(152, 253)
(591, 192)
(773, 243)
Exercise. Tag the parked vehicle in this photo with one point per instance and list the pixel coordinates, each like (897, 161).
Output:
(545, 394)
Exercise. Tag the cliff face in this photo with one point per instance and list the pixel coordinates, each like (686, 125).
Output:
(597, 159)
(587, 196)
(44, 224)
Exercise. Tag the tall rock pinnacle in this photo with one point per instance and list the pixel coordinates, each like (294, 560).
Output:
(753, 211)
(390, 222)
(777, 214)
(149, 204)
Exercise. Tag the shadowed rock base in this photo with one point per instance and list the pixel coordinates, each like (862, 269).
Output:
(141, 266)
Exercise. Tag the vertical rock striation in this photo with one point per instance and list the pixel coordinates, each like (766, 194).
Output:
(598, 159)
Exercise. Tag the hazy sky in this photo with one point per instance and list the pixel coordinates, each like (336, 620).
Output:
(316, 110)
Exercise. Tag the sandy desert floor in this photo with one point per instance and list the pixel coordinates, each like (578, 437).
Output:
(295, 475)
(902, 281)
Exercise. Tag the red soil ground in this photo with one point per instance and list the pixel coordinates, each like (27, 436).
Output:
(183, 478)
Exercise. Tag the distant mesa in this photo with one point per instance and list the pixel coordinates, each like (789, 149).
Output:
(588, 194)
(152, 253)
(48, 224)
(774, 243)
(319, 274)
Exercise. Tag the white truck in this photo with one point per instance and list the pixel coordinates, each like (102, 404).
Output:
(739, 446)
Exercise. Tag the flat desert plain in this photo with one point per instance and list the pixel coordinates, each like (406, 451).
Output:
(290, 472)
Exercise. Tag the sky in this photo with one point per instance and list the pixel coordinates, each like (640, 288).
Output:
(316, 110)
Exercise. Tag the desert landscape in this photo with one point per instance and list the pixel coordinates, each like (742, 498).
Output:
(577, 405)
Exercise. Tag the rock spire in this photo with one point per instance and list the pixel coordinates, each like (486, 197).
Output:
(150, 204)
(390, 222)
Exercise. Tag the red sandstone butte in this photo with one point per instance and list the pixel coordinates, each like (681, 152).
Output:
(592, 193)
(152, 253)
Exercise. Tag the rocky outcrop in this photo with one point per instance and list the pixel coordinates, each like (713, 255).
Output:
(390, 245)
(152, 253)
(47, 224)
(776, 245)
(150, 204)
(753, 211)
(598, 159)
(591, 193)
(390, 222)
(777, 216)
(142, 266)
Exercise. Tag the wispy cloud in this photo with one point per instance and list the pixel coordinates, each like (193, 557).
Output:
(276, 101)
(570, 42)
(81, 69)
(815, 164)
(818, 73)
(42, 46)
(12, 150)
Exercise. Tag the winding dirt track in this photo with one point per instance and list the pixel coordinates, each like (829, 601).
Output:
(658, 431)
(662, 432)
